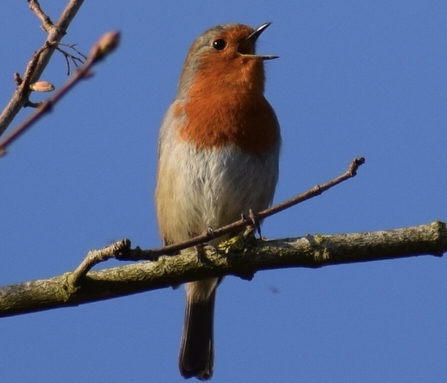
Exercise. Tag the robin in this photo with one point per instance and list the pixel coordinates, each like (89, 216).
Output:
(218, 158)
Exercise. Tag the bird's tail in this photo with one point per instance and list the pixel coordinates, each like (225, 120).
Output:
(196, 356)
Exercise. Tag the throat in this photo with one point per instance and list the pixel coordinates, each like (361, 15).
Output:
(246, 121)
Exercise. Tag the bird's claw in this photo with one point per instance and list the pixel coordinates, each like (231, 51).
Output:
(210, 231)
(253, 224)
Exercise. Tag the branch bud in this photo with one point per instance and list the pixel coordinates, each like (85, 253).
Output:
(42, 86)
(105, 45)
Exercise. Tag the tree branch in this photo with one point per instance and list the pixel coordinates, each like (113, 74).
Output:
(237, 257)
(40, 59)
(104, 46)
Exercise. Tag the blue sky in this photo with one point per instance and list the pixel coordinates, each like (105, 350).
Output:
(354, 78)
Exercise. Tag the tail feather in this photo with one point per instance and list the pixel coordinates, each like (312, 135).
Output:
(196, 357)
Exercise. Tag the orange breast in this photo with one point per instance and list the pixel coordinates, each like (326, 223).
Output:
(226, 106)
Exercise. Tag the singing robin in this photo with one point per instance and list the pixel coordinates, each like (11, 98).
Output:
(218, 158)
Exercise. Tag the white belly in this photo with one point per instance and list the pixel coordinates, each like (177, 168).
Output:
(198, 189)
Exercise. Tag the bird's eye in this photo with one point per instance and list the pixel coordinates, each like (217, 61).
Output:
(219, 44)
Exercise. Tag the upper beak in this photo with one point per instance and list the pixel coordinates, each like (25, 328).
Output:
(247, 46)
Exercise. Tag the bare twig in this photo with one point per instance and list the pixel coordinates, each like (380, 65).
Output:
(105, 45)
(96, 256)
(68, 56)
(73, 46)
(40, 59)
(243, 223)
(152, 255)
(47, 24)
(316, 190)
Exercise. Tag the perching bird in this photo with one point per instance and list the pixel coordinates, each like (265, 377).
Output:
(218, 158)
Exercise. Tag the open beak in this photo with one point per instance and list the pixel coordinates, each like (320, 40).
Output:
(247, 46)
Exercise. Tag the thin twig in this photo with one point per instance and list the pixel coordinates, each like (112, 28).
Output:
(105, 45)
(96, 256)
(69, 57)
(47, 24)
(73, 46)
(127, 254)
(316, 190)
(243, 223)
(41, 58)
